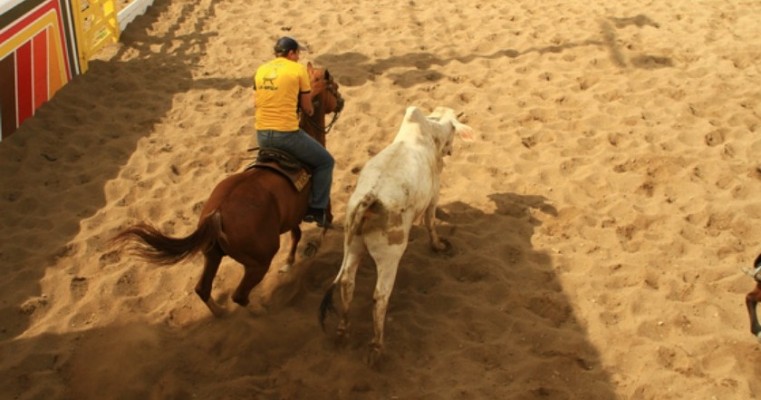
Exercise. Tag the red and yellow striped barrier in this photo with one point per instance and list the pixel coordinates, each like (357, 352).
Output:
(45, 43)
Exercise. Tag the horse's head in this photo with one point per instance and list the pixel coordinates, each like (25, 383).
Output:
(325, 99)
(325, 94)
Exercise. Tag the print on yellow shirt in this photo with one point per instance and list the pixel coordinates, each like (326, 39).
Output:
(277, 85)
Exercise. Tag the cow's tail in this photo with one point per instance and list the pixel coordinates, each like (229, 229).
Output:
(154, 246)
(355, 221)
(356, 218)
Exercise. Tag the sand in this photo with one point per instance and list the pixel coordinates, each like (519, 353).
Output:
(600, 219)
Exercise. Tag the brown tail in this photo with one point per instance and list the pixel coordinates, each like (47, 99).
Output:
(158, 248)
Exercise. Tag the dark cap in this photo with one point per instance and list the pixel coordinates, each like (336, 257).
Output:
(286, 44)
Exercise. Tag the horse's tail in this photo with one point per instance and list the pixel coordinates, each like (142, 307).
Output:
(158, 248)
(354, 223)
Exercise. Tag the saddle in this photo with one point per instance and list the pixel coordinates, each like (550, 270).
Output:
(283, 163)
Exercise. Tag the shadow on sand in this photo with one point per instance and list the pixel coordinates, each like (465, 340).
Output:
(355, 69)
(517, 311)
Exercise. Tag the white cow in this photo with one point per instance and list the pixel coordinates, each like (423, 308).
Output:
(394, 189)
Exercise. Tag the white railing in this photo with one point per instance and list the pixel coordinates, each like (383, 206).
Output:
(132, 11)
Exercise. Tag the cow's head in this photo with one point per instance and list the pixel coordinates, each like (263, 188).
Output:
(445, 127)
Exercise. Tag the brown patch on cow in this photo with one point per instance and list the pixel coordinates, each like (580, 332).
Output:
(379, 218)
(375, 218)
(394, 220)
(395, 226)
(395, 236)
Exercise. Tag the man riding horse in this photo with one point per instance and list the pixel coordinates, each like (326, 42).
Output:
(247, 211)
(281, 86)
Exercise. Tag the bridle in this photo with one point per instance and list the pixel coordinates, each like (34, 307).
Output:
(332, 88)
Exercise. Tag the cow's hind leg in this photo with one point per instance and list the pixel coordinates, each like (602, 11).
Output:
(429, 216)
(346, 283)
(387, 262)
(212, 258)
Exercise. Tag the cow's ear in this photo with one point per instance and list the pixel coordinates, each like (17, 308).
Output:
(464, 131)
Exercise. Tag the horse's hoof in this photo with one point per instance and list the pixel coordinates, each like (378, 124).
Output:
(758, 336)
(241, 301)
(311, 249)
(215, 308)
(258, 309)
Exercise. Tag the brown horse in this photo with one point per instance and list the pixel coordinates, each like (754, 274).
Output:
(245, 214)
(753, 297)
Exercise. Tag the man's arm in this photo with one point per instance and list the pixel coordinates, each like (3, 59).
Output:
(305, 101)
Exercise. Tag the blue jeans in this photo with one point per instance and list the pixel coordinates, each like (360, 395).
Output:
(310, 152)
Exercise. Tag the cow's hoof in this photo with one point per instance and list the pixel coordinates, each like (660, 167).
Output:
(443, 247)
(375, 355)
(342, 339)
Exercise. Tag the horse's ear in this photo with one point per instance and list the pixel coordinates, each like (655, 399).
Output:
(310, 68)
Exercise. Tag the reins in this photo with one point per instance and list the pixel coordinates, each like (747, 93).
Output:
(326, 129)
(336, 113)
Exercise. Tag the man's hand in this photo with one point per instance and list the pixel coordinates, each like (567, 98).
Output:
(305, 101)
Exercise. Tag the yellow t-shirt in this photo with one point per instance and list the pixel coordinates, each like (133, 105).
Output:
(277, 86)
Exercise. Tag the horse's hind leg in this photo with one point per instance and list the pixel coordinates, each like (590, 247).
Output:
(314, 245)
(346, 283)
(295, 238)
(203, 289)
(750, 301)
(254, 272)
